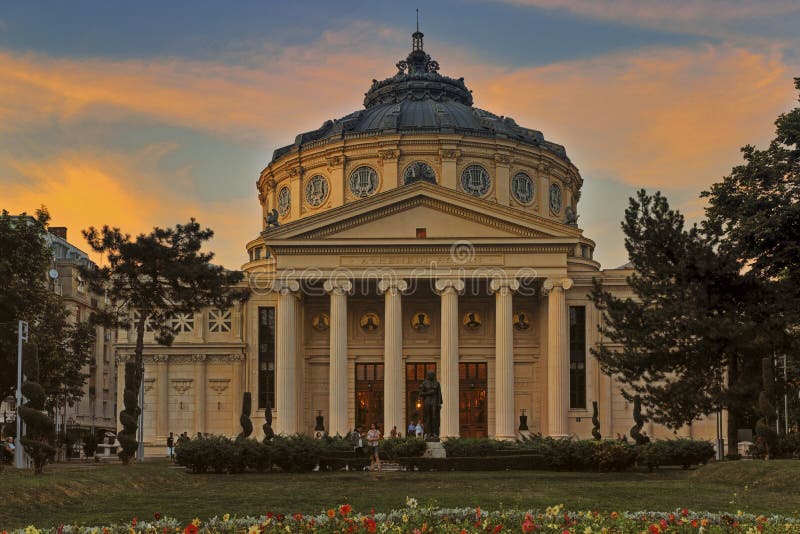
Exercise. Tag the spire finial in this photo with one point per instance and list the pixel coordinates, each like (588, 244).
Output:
(417, 19)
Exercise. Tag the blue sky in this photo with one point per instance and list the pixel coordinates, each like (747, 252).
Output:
(145, 113)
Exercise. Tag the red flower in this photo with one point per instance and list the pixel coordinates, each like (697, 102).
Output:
(157, 515)
(270, 515)
(372, 526)
(684, 512)
(694, 523)
(497, 529)
(133, 521)
(298, 517)
(654, 529)
(345, 509)
(280, 517)
(191, 528)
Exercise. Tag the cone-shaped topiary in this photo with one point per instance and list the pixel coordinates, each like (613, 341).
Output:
(39, 433)
(636, 430)
(129, 417)
(765, 426)
(267, 426)
(244, 420)
(595, 422)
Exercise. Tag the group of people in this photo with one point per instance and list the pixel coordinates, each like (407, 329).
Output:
(172, 443)
(8, 449)
(373, 438)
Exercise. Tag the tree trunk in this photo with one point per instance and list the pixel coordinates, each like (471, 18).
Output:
(733, 410)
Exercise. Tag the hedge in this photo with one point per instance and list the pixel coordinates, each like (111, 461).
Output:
(786, 446)
(676, 452)
(296, 454)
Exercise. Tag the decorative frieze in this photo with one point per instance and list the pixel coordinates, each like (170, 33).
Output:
(181, 385)
(218, 385)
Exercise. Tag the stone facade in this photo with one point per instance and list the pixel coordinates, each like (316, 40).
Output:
(448, 244)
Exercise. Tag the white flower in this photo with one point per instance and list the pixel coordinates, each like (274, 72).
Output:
(411, 502)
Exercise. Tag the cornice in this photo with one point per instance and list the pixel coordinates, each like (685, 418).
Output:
(399, 250)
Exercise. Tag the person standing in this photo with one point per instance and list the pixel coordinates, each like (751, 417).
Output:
(418, 430)
(373, 439)
(412, 429)
(171, 447)
(394, 434)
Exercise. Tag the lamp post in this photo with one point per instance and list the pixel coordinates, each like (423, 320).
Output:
(22, 335)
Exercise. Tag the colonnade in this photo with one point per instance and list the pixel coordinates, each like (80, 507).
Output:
(448, 290)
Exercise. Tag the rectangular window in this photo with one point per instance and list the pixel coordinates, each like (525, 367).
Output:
(266, 357)
(577, 357)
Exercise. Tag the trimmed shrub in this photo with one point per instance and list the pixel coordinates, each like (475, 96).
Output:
(296, 454)
(682, 452)
(460, 447)
(786, 446)
(393, 448)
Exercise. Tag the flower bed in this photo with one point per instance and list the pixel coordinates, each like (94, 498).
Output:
(420, 520)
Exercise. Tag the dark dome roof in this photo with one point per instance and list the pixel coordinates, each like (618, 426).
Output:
(420, 100)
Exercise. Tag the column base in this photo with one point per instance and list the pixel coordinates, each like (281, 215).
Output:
(512, 437)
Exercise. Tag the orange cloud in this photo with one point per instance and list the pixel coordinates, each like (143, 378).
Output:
(82, 190)
(657, 118)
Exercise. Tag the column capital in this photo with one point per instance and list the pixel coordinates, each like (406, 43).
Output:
(556, 283)
(392, 285)
(338, 286)
(444, 285)
(285, 286)
(503, 284)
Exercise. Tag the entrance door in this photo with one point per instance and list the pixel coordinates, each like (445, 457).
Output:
(369, 395)
(472, 405)
(415, 374)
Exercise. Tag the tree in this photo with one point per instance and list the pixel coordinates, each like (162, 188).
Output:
(25, 259)
(63, 347)
(756, 211)
(38, 437)
(147, 279)
(688, 324)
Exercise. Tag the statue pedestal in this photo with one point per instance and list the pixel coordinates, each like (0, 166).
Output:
(435, 449)
(525, 434)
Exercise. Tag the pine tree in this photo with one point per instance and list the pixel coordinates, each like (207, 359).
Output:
(147, 279)
(687, 323)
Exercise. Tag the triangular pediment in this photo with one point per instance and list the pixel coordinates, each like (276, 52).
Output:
(443, 213)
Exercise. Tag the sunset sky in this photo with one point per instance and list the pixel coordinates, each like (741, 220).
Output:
(136, 114)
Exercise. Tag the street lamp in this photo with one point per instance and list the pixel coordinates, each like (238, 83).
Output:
(22, 335)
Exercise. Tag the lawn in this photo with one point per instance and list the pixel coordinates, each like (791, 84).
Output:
(114, 493)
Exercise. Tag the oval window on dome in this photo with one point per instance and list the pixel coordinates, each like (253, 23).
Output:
(316, 190)
(419, 171)
(284, 201)
(522, 188)
(475, 180)
(363, 181)
(555, 198)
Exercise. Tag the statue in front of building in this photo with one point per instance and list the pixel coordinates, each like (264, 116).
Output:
(272, 218)
(431, 394)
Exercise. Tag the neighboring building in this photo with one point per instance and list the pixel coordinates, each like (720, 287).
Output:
(420, 233)
(96, 410)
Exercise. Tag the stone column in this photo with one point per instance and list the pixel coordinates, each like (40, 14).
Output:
(200, 384)
(392, 353)
(337, 404)
(504, 358)
(162, 370)
(120, 359)
(557, 356)
(502, 164)
(449, 158)
(448, 289)
(286, 358)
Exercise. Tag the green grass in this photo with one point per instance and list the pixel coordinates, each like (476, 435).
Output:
(115, 493)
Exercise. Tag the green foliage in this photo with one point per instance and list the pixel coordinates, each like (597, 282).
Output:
(25, 259)
(90, 442)
(457, 447)
(785, 446)
(244, 419)
(39, 435)
(766, 436)
(296, 454)
(691, 321)
(155, 275)
(682, 452)
(545, 454)
(394, 448)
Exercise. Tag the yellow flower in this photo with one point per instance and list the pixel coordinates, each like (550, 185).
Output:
(587, 530)
(254, 529)
(226, 517)
(196, 521)
(405, 518)
(30, 529)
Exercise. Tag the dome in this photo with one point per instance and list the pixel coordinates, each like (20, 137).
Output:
(418, 99)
